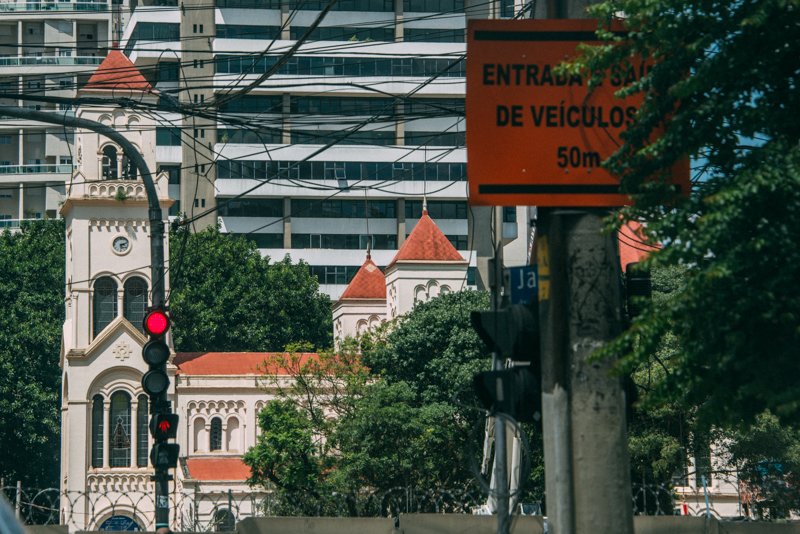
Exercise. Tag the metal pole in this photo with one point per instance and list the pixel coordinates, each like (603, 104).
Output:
(500, 452)
(156, 250)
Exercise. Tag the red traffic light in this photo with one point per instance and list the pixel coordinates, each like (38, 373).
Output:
(164, 426)
(156, 322)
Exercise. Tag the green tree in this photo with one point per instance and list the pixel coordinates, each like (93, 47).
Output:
(723, 90)
(766, 458)
(32, 292)
(410, 421)
(225, 296)
(434, 349)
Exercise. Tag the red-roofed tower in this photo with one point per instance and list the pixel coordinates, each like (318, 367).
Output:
(363, 303)
(425, 266)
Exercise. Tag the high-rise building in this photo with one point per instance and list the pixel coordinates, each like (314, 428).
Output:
(331, 150)
(325, 149)
(47, 47)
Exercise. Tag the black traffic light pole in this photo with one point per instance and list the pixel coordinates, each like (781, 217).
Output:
(156, 252)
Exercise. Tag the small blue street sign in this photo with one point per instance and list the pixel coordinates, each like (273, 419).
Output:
(524, 284)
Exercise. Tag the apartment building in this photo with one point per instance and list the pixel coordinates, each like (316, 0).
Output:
(47, 47)
(332, 151)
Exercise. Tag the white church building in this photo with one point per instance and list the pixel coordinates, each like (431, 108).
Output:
(105, 473)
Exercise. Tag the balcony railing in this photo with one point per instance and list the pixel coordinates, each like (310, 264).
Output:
(53, 6)
(50, 60)
(35, 169)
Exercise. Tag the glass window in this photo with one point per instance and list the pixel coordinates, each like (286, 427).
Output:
(254, 104)
(97, 431)
(344, 33)
(224, 520)
(265, 240)
(434, 35)
(142, 429)
(433, 6)
(168, 136)
(119, 450)
(105, 303)
(168, 71)
(244, 31)
(256, 207)
(216, 434)
(249, 4)
(437, 209)
(110, 171)
(135, 301)
(436, 138)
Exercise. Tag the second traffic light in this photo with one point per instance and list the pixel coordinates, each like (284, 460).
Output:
(515, 391)
(164, 426)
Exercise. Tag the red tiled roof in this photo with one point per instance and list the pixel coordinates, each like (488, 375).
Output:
(117, 72)
(217, 469)
(427, 243)
(368, 283)
(233, 363)
(632, 244)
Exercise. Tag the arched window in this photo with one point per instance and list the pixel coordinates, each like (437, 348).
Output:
(97, 431)
(105, 303)
(232, 434)
(110, 163)
(128, 169)
(135, 300)
(199, 434)
(216, 434)
(119, 449)
(142, 421)
(224, 520)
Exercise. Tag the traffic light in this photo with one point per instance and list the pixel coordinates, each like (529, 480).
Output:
(155, 352)
(164, 426)
(164, 456)
(512, 331)
(515, 391)
(638, 287)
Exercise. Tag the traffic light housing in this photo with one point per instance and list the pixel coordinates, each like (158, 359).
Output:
(515, 391)
(638, 287)
(164, 456)
(156, 352)
(164, 426)
(513, 332)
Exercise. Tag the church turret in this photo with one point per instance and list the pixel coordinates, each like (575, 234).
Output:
(426, 266)
(362, 305)
(105, 412)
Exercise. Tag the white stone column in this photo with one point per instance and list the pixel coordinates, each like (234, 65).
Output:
(121, 303)
(224, 440)
(134, 431)
(20, 143)
(21, 207)
(119, 166)
(20, 35)
(208, 437)
(106, 433)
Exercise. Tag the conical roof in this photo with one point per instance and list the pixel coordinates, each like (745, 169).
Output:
(427, 243)
(368, 283)
(118, 72)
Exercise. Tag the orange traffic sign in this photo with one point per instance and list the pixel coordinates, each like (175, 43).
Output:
(537, 137)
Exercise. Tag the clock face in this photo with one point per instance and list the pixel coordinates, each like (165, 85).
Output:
(121, 244)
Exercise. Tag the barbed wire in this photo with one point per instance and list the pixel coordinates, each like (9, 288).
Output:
(198, 511)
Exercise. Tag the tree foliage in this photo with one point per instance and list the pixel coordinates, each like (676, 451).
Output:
(724, 90)
(32, 293)
(411, 421)
(225, 296)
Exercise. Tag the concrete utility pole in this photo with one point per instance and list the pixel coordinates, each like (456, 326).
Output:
(587, 469)
(156, 241)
